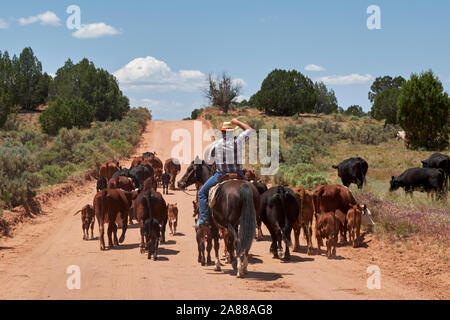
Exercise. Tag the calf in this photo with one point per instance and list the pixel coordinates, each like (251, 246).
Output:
(354, 216)
(165, 183)
(327, 227)
(172, 211)
(87, 220)
(420, 179)
(352, 170)
(305, 218)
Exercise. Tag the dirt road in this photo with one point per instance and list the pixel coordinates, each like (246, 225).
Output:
(33, 264)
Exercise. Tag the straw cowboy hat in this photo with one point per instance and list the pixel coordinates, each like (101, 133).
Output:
(227, 126)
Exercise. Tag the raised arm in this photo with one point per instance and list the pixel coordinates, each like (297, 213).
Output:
(241, 125)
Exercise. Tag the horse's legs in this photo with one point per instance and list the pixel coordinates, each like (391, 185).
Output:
(230, 246)
(215, 236)
(208, 249)
(259, 234)
(142, 244)
(245, 262)
(201, 247)
(116, 242)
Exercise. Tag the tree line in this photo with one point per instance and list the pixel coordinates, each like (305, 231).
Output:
(78, 94)
(420, 105)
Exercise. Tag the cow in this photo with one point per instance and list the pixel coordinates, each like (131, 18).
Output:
(148, 154)
(172, 167)
(305, 218)
(352, 170)
(250, 175)
(108, 169)
(121, 182)
(140, 173)
(102, 183)
(108, 203)
(87, 220)
(151, 212)
(279, 211)
(172, 211)
(327, 228)
(439, 161)
(354, 217)
(165, 183)
(401, 135)
(337, 199)
(420, 179)
(150, 183)
(261, 187)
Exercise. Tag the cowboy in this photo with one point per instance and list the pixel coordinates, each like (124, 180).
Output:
(227, 154)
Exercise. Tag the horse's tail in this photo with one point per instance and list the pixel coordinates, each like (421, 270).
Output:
(247, 229)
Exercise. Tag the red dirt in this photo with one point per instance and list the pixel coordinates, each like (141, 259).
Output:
(33, 263)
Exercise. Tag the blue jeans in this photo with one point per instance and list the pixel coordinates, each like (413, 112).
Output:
(204, 193)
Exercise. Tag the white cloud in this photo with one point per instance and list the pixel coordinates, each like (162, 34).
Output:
(3, 24)
(353, 78)
(239, 82)
(46, 18)
(242, 98)
(152, 74)
(95, 30)
(314, 67)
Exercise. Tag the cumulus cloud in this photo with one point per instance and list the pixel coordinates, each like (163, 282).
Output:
(47, 18)
(314, 67)
(150, 73)
(95, 30)
(241, 98)
(239, 82)
(353, 78)
(3, 24)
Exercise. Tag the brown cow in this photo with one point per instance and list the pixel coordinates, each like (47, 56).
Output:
(150, 183)
(172, 210)
(108, 169)
(335, 198)
(121, 182)
(305, 218)
(172, 167)
(107, 204)
(136, 161)
(87, 220)
(327, 227)
(250, 175)
(150, 207)
(354, 216)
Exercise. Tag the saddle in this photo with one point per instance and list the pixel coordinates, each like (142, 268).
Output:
(213, 192)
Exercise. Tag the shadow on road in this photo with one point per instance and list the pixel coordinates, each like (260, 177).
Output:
(167, 252)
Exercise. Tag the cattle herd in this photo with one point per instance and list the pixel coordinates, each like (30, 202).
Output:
(124, 195)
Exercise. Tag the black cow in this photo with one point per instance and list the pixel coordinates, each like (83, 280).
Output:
(102, 183)
(148, 154)
(165, 182)
(126, 173)
(439, 161)
(261, 187)
(419, 179)
(279, 211)
(139, 174)
(353, 170)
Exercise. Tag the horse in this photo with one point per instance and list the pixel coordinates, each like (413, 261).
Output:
(197, 173)
(234, 209)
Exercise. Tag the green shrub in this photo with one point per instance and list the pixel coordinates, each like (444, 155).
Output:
(311, 181)
(371, 134)
(17, 177)
(55, 174)
(121, 147)
(255, 123)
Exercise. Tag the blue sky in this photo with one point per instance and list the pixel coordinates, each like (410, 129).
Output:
(161, 50)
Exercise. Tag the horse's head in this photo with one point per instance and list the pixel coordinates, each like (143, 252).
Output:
(188, 178)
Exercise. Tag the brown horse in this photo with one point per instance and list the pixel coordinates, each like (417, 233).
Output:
(234, 209)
